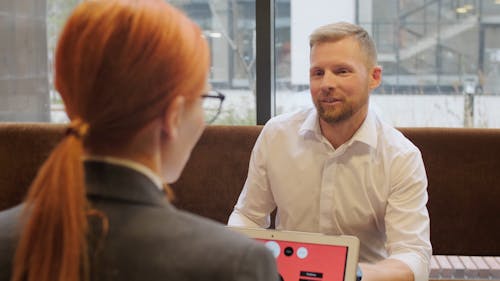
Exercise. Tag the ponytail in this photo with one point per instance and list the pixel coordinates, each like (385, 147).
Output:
(52, 245)
(118, 65)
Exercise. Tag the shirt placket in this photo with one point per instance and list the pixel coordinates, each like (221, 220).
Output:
(329, 183)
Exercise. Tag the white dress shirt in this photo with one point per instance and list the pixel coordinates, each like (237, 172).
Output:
(373, 186)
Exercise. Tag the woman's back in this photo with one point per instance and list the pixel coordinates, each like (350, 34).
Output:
(132, 75)
(145, 238)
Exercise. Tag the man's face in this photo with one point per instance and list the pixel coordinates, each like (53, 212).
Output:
(341, 80)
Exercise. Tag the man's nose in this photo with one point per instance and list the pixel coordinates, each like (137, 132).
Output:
(328, 82)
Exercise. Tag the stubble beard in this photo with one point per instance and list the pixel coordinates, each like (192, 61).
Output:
(334, 115)
(339, 113)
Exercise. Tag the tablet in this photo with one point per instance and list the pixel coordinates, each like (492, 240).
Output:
(306, 256)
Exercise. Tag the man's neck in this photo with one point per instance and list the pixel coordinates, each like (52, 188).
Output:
(340, 132)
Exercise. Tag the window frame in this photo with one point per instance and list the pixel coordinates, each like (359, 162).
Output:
(264, 61)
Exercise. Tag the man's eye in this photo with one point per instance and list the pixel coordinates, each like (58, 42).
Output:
(317, 73)
(342, 71)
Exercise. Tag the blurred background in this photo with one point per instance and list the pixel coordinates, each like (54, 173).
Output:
(441, 58)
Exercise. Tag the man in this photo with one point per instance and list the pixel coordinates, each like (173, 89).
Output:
(339, 169)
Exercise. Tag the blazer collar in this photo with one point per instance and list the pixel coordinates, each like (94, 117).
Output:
(120, 183)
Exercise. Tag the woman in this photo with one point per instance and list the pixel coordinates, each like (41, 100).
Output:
(132, 76)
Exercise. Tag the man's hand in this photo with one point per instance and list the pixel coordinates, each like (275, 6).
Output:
(387, 270)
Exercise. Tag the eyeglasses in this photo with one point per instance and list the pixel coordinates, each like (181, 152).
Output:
(212, 104)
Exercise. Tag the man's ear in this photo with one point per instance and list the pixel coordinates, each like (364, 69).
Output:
(375, 77)
(172, 117)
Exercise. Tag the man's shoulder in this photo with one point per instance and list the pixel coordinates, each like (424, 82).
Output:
(390, 137)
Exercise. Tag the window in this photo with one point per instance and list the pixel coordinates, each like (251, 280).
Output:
(23, 61)
(29, 35)
(441, 59)
(229, 27)
(57, 13)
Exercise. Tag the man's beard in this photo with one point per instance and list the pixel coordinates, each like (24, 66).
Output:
(334, 115)
(341, 112)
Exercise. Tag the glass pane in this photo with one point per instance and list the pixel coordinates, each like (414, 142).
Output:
(57, 13)
(23, 61)
(229, 27)
(441, 67)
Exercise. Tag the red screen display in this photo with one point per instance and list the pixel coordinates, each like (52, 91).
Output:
(306, 261)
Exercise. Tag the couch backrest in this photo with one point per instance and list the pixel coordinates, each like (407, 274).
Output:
(461, 164)
(23, 148)
(462, 167)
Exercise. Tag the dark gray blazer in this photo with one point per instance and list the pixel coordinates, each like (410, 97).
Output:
(149, 239)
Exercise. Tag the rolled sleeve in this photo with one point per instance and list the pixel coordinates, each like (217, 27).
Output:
(407, 219)
(416, 263)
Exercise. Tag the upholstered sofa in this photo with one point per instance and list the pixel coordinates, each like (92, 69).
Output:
(463, 168)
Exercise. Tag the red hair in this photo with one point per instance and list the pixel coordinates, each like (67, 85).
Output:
(119, 63)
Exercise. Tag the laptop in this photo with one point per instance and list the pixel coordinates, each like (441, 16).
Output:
(305, 256)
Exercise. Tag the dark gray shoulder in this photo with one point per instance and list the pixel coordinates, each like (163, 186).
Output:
(181, 246)
(9, 233)
(243, 258)
(9, 222)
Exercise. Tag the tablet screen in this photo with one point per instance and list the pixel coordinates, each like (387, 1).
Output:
(306, 256)
(307, 262)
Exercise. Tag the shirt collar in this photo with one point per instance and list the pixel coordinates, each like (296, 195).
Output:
(367, 132)
(311, 124)
(136, 166)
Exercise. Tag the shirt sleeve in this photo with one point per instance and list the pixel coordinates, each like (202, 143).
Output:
(407, 219)
(256, 201)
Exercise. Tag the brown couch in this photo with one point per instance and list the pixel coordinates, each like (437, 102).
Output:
(462, 167)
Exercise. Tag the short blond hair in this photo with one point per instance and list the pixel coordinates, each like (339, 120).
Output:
(336, 31)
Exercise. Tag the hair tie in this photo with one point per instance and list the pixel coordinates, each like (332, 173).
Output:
(78, 128)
